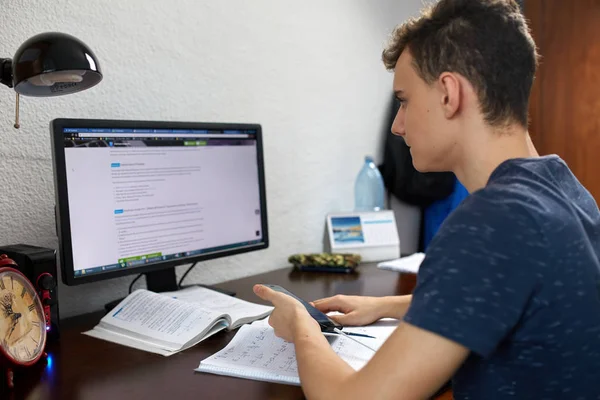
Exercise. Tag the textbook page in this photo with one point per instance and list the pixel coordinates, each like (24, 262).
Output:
(159, 319)
(239, 310)
(139, 344)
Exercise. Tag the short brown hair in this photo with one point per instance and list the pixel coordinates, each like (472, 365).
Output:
(486, 41)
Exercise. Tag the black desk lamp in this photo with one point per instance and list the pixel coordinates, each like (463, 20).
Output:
(50, 64)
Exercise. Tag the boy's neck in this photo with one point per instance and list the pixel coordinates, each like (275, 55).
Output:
(483, 152)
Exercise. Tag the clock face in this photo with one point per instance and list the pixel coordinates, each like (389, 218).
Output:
(22, 325)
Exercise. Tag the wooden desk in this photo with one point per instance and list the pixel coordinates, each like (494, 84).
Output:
(91, 369)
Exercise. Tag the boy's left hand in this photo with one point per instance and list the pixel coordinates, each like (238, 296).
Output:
(289, 316)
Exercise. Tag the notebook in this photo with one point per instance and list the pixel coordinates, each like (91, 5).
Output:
(256, 353)
(166, 323)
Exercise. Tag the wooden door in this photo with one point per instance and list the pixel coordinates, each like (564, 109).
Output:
(565, 102)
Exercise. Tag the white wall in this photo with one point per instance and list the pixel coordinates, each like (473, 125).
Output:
(309, 72)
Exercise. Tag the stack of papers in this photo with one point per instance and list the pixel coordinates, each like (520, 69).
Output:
(408, 264)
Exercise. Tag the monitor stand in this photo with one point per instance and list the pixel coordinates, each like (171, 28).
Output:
(165, 280)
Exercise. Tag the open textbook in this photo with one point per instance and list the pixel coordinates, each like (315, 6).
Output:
(256, 353)
(166, 323)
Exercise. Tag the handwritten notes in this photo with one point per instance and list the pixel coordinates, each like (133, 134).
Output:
(256, 353)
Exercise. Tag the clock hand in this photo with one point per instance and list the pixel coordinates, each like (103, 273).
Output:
(7, 309)
(14, 325)
(6, 303)
(15, 318)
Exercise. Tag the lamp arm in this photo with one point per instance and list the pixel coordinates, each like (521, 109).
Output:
(6, 76)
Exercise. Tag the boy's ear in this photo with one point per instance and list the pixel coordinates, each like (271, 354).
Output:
(450, 96)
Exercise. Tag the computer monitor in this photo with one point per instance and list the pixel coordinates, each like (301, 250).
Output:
(143, 197)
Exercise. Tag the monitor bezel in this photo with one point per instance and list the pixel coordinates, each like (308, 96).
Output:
(62, 216)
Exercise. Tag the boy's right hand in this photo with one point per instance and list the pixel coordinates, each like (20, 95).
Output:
(357, 310)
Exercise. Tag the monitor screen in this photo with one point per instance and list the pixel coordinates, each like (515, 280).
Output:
(139, 196)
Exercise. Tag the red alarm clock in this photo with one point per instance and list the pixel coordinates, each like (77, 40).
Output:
(22, 321)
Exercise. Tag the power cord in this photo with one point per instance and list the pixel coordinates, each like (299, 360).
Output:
(185, 274)
(134, 281)
(178, 285)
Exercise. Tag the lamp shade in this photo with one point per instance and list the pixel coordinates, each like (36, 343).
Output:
(54, 64)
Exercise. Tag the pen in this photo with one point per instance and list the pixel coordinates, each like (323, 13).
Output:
(336, 330)
(360, 334)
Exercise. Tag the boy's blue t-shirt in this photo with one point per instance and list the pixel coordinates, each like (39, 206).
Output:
(435, 214)
(514, 275)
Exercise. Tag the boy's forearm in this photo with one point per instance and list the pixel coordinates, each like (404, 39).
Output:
(395, 306)
(324, 375)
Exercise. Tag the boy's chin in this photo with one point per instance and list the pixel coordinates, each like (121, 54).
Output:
(424, 166)
(419, 164)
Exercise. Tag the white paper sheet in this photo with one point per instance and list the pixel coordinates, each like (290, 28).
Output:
(409, 264)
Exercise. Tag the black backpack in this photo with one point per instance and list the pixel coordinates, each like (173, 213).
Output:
(402, 180)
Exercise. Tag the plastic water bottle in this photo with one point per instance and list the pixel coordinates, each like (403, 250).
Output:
(369, 190)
